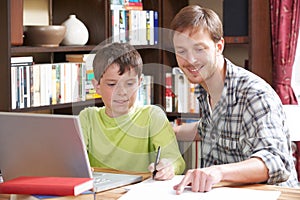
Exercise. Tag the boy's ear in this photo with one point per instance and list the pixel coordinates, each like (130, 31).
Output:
(141, 80)
(96, 86)
(95, 83)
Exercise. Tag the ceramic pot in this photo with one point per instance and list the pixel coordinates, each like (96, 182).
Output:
(76, 32)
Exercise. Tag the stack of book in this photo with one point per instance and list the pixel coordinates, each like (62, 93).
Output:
(130, 23)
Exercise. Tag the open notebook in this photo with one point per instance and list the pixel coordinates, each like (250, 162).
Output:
(49, 145)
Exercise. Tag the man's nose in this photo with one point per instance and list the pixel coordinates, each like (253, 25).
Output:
(191, 58)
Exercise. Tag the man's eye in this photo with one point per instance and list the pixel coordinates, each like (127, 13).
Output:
(180, 52)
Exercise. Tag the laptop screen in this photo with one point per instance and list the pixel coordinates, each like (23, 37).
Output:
(42, 145)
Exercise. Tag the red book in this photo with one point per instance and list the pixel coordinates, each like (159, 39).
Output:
(62, 186)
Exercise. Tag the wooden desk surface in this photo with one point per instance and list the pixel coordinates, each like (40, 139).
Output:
(286, 193)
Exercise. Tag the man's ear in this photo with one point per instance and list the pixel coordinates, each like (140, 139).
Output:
(220, 46)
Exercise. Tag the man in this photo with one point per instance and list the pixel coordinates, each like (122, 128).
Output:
(243, 131)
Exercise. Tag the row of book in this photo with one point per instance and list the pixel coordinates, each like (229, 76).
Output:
(180, 93)
(35, 85)
(132, 24)
(146, 92)
(127, 4)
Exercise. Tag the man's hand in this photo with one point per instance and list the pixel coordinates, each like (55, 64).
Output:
(201, 180)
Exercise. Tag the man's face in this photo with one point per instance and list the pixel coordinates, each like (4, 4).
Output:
(196, 54)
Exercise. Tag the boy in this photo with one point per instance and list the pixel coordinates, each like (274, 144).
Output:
(121, 135)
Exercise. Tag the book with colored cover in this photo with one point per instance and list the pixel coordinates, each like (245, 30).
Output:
(62, 186)
(88, 195)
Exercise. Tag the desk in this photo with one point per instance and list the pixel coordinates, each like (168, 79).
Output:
(286, 193)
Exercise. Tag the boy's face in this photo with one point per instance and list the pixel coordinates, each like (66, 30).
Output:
(196, 54)
(118, 92)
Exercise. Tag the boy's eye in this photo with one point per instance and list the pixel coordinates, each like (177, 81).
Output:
(130, 83)
(111, 84)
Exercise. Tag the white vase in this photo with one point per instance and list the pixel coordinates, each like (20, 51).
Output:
(76, 32)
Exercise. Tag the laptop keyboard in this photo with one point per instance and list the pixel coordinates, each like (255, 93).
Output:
(99, 178)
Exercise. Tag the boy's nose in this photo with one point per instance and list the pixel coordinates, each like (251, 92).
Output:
(121, 90)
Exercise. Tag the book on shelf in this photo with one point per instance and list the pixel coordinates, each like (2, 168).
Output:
(145, 93)
(185, 100)
(80, 57)
(169, 92)
(20, 81)
(150, 27)
(87, 74)
(115, 19)
(21, 60)
(156, 27)
(62, 186)
(126, 5)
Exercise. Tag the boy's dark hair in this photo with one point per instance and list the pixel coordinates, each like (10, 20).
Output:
(122, 54)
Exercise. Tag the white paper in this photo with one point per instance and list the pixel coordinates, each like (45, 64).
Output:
(163, 190)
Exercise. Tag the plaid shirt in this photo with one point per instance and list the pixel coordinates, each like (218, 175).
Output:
(248, 121)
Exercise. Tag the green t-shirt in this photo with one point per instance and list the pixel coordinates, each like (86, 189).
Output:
(129, 142)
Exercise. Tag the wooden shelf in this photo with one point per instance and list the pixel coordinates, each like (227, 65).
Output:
(63, 105)
(236, 39)
(174, 115)
(32, 49)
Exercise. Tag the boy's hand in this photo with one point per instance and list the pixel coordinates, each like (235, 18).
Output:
(165, 170)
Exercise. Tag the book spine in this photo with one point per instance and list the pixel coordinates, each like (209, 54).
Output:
(14, 94)
(143, 28)
(122, 26)
(21, 86)
(36, 85)
(53, 85)
(156, 28)
(168, 91)
(115, 25)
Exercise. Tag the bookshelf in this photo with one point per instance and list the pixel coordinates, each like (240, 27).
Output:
(157, 61)
(98, 22)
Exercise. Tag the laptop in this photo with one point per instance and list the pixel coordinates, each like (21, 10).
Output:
(49, 145)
